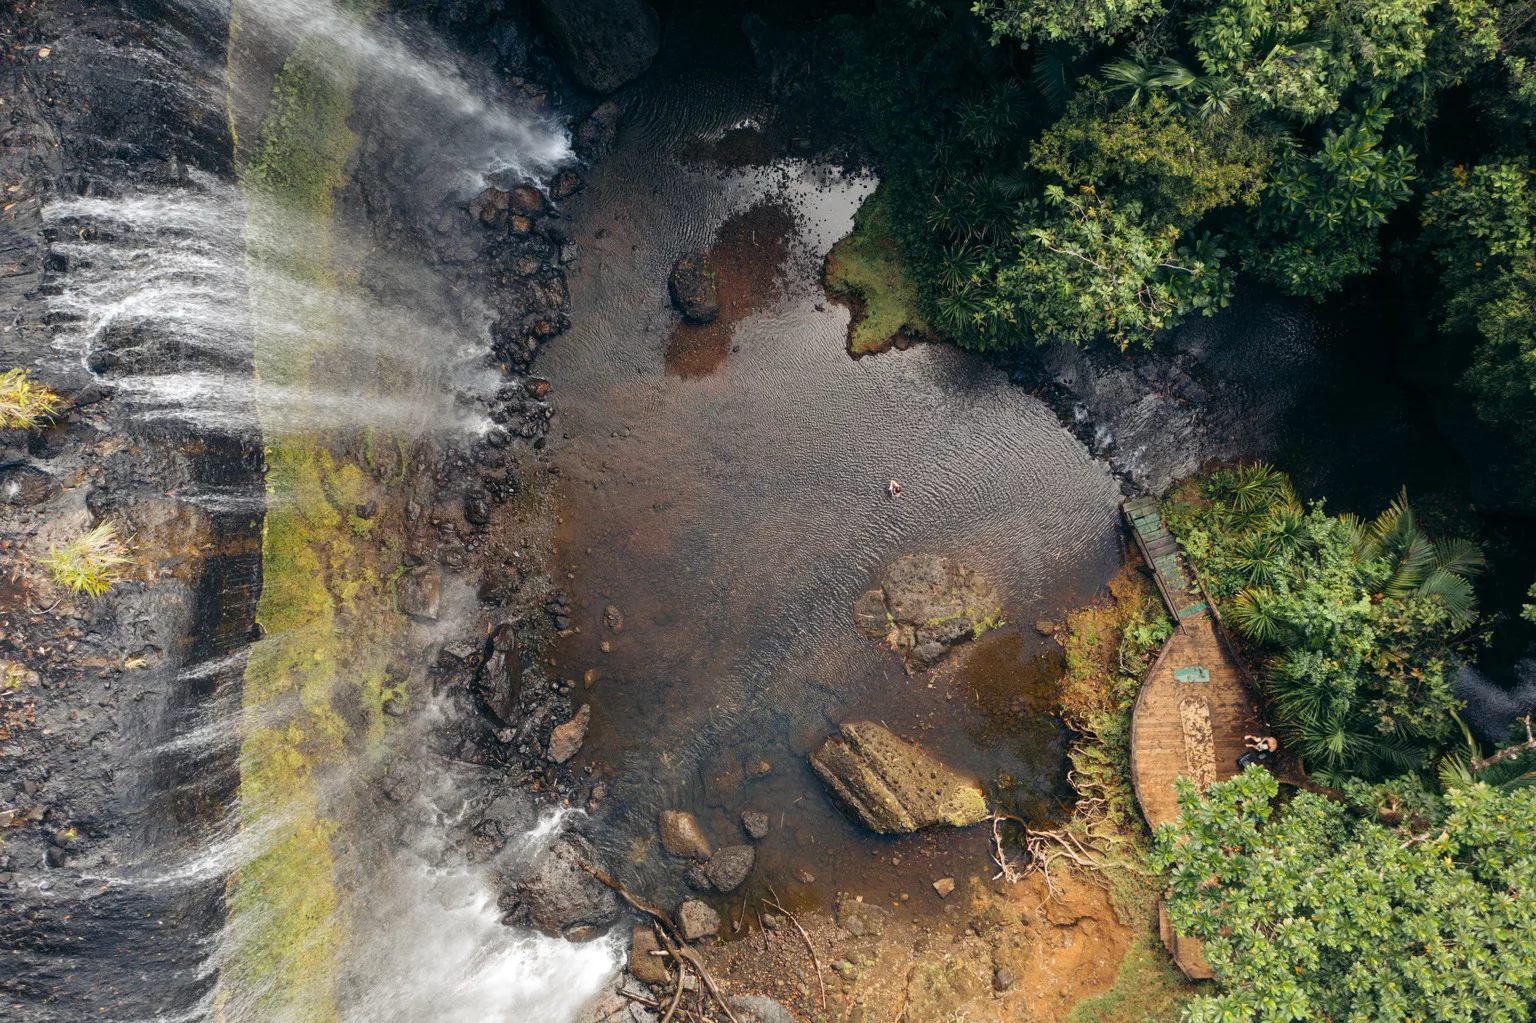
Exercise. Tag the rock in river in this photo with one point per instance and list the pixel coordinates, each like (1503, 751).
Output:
(647, 968)
(680, 835)
(890, 786)
(696, 920)
(566, 740)
(925, 605)
(606, 43)
(554, 894)
(729, 867)
(755, 823)
(693, 289)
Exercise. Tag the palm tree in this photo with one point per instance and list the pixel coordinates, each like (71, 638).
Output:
(1422, 567)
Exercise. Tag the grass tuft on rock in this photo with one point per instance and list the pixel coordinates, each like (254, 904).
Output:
(90, 563)
(24, 403)
(866, 268)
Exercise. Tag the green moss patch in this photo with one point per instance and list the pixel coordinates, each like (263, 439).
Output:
(866, 270)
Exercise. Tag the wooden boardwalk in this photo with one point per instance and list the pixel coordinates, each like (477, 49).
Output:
(1195, 703)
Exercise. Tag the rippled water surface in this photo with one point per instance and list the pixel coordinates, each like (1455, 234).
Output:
(731, 516)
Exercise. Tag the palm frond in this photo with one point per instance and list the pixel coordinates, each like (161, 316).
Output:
(1253, 612)
(1463, 557)
(1052, 76)
(1454, 591)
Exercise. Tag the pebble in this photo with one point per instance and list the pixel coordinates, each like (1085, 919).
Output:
(944, 886)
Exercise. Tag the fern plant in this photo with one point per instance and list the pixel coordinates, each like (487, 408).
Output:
(24, 403)
(90, 563)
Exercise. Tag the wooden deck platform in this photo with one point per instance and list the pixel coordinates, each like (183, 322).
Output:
(1195, 703)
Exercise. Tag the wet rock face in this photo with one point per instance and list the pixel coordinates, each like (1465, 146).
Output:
(892, 787)
(499, 681)
(606, 43)
(555, 895)
(925, 605)
(417, 592)
(681, 836)
(692, 286)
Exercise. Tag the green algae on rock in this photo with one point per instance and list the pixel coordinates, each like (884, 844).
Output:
(891, 786)
(866, 268)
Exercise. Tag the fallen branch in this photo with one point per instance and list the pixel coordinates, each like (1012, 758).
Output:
(669, 934)
(1509, 751)
(1007, 871)
(677, 995)
(806, 937)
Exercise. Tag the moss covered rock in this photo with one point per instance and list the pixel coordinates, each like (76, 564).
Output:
(891, 786)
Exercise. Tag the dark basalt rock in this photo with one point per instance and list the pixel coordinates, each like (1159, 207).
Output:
(605, 43)
(499, 682)
(729, 867)
(555, 894)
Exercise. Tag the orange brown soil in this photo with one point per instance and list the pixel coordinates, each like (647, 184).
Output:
(746, 259)
(1048, 954)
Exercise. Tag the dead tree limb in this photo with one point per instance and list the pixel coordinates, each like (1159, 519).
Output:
(674, 940)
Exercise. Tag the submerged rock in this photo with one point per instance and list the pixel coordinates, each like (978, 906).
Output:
(565, 742)
(729, 867)
(693, 289)
(592, 137)
(680, 835)
(606, 43)
(696, 920)
(890, 786)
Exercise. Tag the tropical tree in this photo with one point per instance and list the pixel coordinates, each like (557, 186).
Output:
(1320, 912)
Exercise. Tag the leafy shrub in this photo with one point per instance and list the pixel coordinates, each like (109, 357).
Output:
(25, 404)
(90, 563)
(1315, 912)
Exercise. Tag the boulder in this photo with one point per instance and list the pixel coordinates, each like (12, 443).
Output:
(554, 894)
(566, 740)
(692, 286)
(890, 786)
(755, 824)
(417, 592)
(925, 605)
(697, 879)
(605, 43)
(597, 132)
(729, 867)
(646, 968)
(680, 835)
(696, 920)
(499, 682)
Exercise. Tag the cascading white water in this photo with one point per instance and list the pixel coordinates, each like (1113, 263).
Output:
(154, 296)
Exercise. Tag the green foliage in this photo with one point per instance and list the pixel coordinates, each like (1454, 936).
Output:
(1175, 167)
(1095, 269)
(24, 403)
(1357, 622)
(1077, 21)
(91, 562)
(1318, 222)
(1316, 913)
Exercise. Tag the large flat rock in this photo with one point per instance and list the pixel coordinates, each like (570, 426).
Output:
(891, 786)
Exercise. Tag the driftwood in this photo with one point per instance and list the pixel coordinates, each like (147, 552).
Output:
(806, 937)
(673, 939)
(1511, 751)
